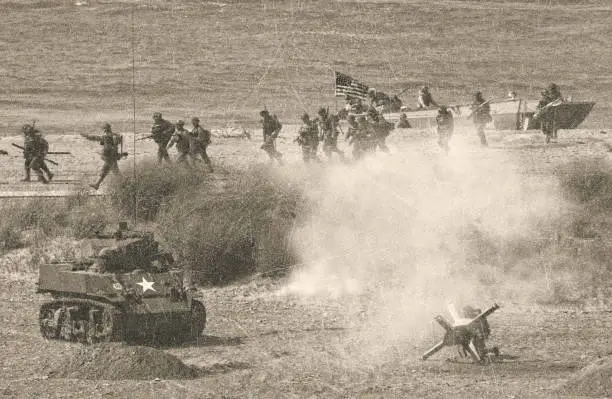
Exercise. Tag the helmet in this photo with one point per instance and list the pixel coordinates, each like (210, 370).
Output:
(305, 117)
(553, 87)
(27, 128)
(371, 90)
(106, 127)
(264, 112)
(443, 109)
(425, 89)
(157, 115)
(322, 111)
(180, 122)
(195, 119)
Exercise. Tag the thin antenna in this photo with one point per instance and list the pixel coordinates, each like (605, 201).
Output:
(134, 112)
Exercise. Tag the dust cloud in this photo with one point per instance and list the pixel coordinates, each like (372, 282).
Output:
(400, 236)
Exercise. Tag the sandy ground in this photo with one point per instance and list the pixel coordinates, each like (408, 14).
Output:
(277, 345)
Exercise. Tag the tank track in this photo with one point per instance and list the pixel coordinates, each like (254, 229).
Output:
(89, 321)
(80, 320)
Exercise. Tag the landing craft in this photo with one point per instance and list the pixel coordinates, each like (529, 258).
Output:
(507, 114)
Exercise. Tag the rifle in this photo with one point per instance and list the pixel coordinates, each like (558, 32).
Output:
(150, 136)
(553, 103)
(46, 159)
(3, 152)
(480, 106)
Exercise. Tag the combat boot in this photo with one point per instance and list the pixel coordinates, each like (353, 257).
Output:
(42, 179)
(27, 175)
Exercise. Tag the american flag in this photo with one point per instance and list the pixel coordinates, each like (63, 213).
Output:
(346, 85)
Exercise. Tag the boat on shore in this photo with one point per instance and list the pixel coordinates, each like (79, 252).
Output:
(507, 114)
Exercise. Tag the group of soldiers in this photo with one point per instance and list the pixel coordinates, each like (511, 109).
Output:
(367, 132)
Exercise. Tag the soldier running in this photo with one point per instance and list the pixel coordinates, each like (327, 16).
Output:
(161, 132)
(271, 129)
(481, 115)
(445, 126)
(382, 129)
(35, 150)
(363, 138)
(328, 133)
(111, 153)
(545, 111)
(308, 139)
(200, 140)
(181, 138)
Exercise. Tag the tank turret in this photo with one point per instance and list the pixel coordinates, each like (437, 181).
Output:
(126, 289)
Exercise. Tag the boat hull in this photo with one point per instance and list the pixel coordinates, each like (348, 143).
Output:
(505, 114)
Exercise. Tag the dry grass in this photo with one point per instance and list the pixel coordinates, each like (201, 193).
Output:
(245, 229)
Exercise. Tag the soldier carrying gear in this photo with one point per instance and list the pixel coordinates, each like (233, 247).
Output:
(271, 129)
(35, 150)
(161, 132)
(328, 133)
(308, 139)
(545, 111)
(381, 127)
(363, 139)
(425, 99)
(182, 139)
(200, 140)
(481, 114)
(110, 154)
(445, 126)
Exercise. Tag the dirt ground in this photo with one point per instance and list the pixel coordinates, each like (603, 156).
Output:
(262, 341)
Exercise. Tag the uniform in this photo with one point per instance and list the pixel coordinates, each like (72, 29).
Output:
(403, 122)
(271, 128)
(382, 129)
(425, 99)
(445, 126)
(182, 139)
(34, 153)
(308, 139)
(110, 143)
(546, 113)
(363, 138)
(328, 133)
(481, 115)
(161, 132)
(200, 140)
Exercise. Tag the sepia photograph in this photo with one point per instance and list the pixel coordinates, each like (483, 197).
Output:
(306, 199)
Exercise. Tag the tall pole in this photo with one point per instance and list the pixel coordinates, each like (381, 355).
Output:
(134, 113)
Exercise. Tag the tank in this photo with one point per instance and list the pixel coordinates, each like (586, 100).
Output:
(128, 291)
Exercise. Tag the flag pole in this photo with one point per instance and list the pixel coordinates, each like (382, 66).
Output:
(335, 98)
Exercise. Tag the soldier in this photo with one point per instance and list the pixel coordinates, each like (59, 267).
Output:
(35, 149)
(308, 139)
(328, 133)
(161, 132)
(403, 122)
(363, 138)
(200, 140)
(182, 139)
(382, 129)
(445, 126)
(545, 111)
(425, 99)
(111, 154)
(352, 127)
(271, 129)
(481, 115)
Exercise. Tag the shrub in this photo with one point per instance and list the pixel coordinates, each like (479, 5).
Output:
(246, 228)
(143, 194)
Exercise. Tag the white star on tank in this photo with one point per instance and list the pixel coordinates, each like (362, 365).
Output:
(147, 285)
